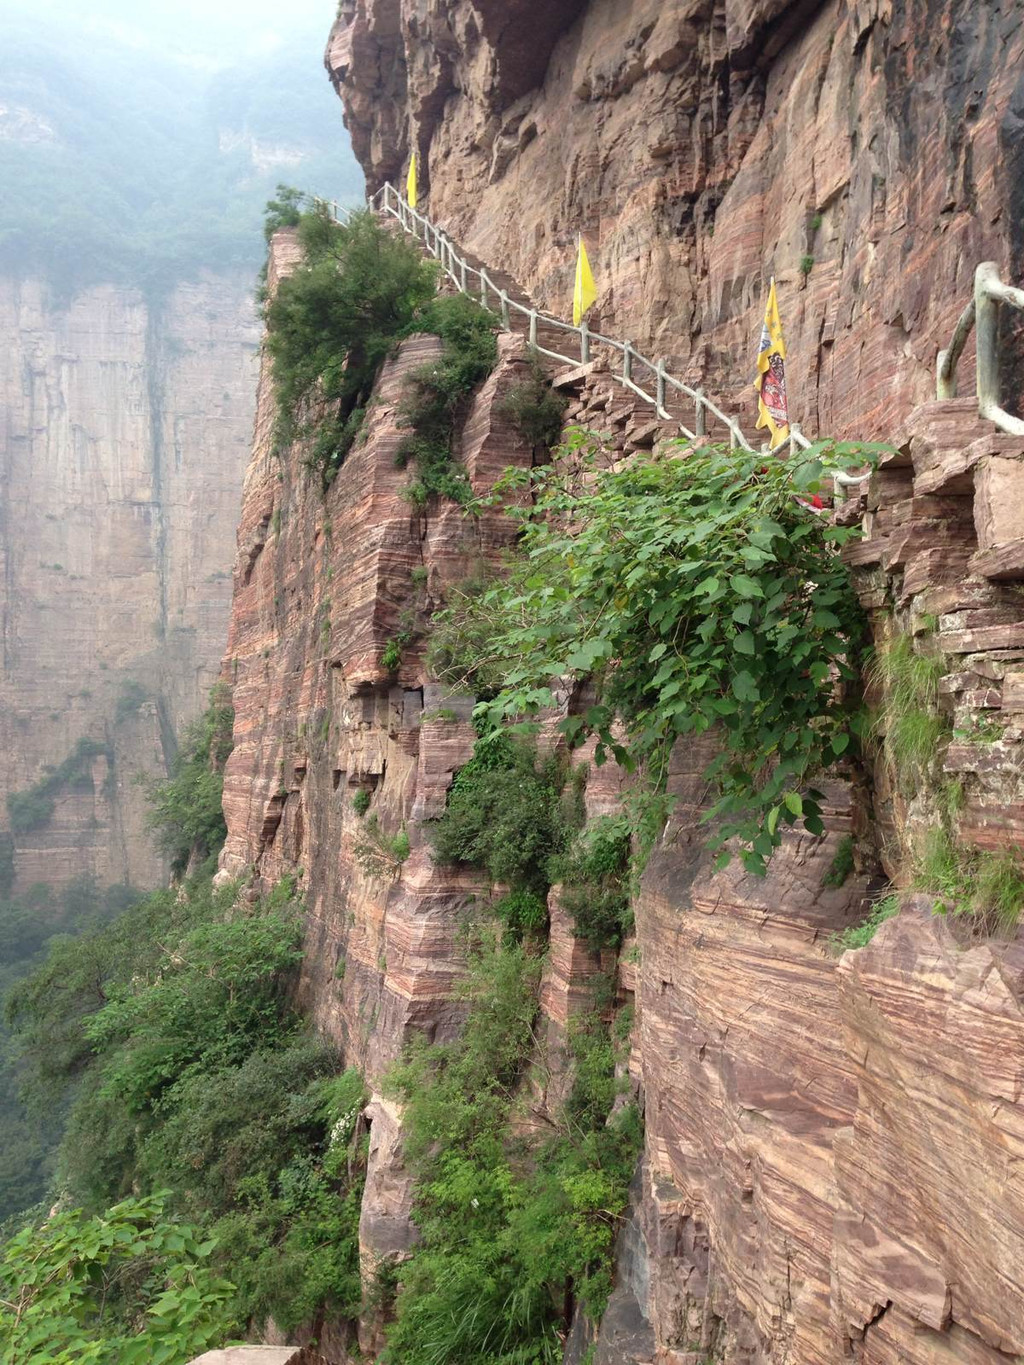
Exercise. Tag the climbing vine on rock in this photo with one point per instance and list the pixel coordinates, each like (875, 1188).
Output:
(696, 590)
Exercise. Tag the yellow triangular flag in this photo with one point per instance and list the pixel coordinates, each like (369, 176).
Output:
(772, 406)
(410, 184)
(584, 294)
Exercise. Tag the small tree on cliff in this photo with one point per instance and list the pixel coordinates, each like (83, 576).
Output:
(185, 811)
(331, 324)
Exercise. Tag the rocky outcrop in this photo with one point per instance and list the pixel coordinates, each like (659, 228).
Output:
(868, 153)
(832, 1139)
(821, 1183)
(830, 1142)
(322, 583)
(124, 430)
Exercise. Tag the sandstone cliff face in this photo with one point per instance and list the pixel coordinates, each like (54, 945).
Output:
(124, 433)
(832, 1142)
(701, 147)
(322, 583)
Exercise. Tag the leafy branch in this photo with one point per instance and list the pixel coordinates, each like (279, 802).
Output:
(696, 593)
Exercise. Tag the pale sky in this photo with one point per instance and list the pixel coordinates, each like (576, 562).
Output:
(217, 30)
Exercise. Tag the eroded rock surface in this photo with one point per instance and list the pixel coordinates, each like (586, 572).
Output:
(832, 1141)
(867, 153)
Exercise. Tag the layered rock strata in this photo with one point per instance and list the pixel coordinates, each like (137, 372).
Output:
(124, 431)
(867, 153)
(832, 1145)
(831, 1141)
(323, 583)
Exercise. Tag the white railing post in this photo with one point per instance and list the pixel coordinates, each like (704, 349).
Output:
(463, 285)
(700, 421)
(986, 323)
(794, 438)
(505, 320)
(660, 389)
(533, 326)
(584, 341)
(627, 362)
(483, 289)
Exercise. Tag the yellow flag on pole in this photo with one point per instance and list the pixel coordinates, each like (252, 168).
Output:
(410, 184)
(772, 406)
(584, 294)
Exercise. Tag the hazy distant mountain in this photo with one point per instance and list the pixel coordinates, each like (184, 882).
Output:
(124, 158)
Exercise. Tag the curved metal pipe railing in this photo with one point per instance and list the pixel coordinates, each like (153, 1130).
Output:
(982, 315)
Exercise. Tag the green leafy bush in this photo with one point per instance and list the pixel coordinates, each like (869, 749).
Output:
(330, 325)
(523, 911)
(504, 815)
(460, 649)
(192, 1075)
(266, 1150)
(515, 1231)
(695, 593)
(361, 801)
(594, 876)
(283, 212)
(213, 1002)
(379, 854)
(185, 811)
(439, 391)
(391, 656)
(333, 321)
(534, 408)
(130, 1286)
(28, 1139)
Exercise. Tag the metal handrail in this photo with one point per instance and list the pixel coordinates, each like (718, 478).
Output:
(460, 272)
(472, 280)
(982, 313)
